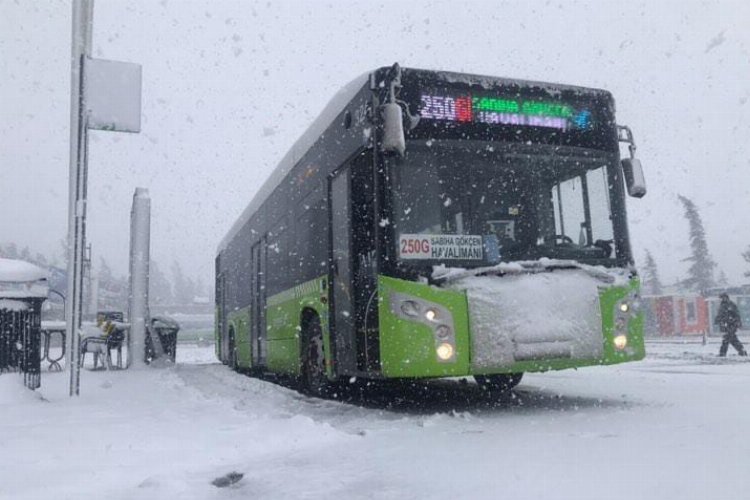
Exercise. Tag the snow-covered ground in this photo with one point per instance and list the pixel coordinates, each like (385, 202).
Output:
(674, 426)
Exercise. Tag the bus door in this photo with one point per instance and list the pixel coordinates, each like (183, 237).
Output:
(342, 318)
(258, 302)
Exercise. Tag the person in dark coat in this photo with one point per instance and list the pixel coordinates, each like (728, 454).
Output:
(728, 319)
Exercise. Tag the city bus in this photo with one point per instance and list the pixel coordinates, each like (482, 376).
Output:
(433, 224)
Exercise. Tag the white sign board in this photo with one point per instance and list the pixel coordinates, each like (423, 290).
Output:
(440, 246)
(113, 95)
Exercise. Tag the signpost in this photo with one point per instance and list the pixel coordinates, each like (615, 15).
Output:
(104, 95)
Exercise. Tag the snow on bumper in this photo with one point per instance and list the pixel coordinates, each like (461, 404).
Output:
(544, 316)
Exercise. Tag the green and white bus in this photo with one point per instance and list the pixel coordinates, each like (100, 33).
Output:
(435, 224)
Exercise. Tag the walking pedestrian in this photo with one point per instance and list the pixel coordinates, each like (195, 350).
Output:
(728, 319)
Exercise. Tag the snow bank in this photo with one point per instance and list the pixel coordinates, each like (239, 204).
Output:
(12, 270)
(13, 305)
(654, 430)
(538, 316)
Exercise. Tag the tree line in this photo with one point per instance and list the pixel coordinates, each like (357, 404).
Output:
(164, 289)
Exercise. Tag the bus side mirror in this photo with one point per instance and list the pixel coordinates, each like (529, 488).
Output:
(393, 128)
(634, 179)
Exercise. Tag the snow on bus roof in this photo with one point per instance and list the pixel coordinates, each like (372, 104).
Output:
(303, 144)
(490, 82)
(19, 271)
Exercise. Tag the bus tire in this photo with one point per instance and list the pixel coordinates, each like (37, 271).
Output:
(502, 383)
(314, 379)
(232, 351)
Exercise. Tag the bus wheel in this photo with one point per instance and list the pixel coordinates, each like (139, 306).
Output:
(232, 355)
(498, 383)
(314, 379)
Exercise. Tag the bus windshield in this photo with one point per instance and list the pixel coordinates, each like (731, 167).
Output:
(462, 206)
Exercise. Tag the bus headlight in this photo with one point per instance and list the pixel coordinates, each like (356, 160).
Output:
(624, 307)
(621, 341)
(430, 314)
(445, 351)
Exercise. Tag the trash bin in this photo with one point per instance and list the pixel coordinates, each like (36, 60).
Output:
(166, 329)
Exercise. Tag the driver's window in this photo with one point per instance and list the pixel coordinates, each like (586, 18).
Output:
(570, 219)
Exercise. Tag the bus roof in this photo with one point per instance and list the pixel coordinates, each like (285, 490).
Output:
(342, 98)
(335, 106)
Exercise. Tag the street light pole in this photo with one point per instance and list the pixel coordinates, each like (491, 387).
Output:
(80, 49)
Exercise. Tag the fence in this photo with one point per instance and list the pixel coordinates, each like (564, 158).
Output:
(20, 337)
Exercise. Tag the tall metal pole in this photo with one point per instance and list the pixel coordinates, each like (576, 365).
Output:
(80, 49)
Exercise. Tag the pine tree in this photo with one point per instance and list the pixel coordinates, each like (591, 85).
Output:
(652, 283)
(746, 256)
(701, 272)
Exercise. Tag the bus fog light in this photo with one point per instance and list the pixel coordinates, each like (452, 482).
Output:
(620, 342)
(410, 308)
(445, 351)
(430, 314)
(442, 332)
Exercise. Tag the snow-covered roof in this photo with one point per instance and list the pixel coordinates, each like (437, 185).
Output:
(13, 305)
(303, 144)
(20, 271)
(490, 82)
(22, 280)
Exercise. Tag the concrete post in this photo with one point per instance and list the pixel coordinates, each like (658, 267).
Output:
(138, 313)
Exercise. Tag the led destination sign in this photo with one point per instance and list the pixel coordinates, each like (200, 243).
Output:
(504, 111)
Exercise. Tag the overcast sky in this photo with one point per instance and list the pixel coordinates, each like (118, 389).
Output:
(228, 86)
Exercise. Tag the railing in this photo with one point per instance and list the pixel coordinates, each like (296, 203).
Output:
(20, 341)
